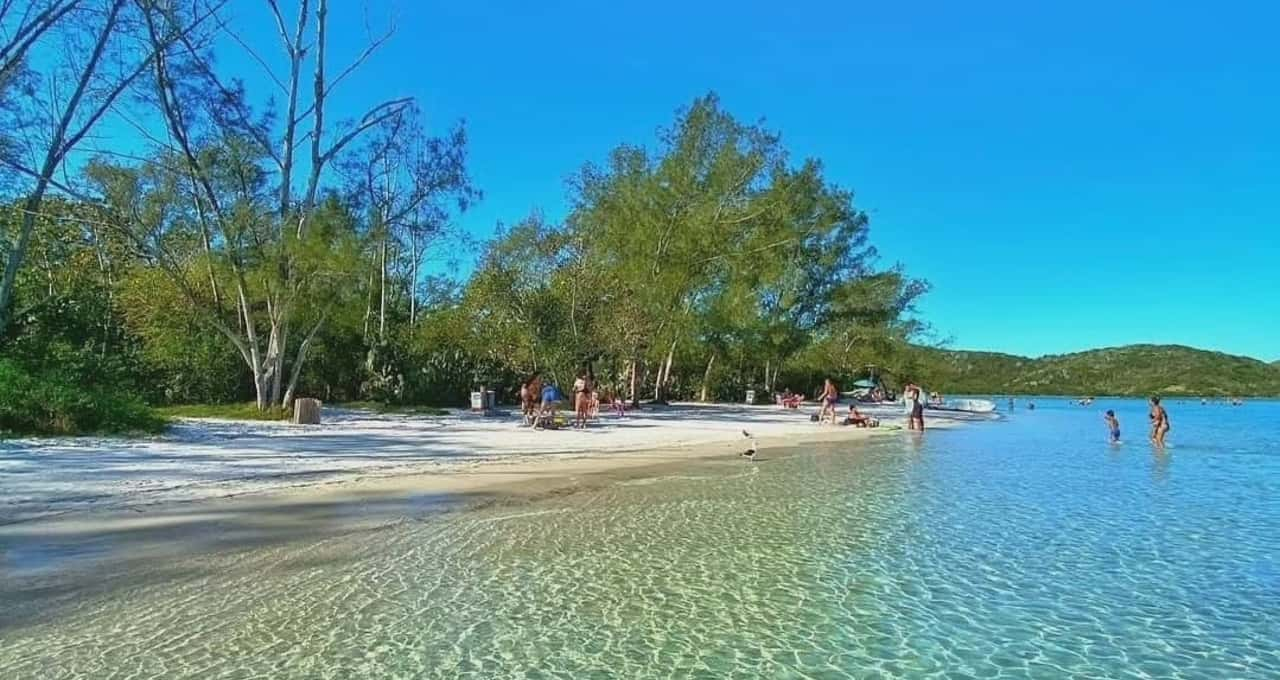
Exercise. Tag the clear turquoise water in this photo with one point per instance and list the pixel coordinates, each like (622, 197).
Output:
(1023, 548)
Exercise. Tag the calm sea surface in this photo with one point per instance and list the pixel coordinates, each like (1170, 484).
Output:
(1028, 547)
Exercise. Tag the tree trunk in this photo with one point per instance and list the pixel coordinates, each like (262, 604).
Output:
(368, 307)
(30, 208)
(382, 294)
(635, 383)
(413, 278)
(664, 374)
(260, 388)
(706, 378)
(666, 370)
(277, 364)
(657, 385)
(297, 363)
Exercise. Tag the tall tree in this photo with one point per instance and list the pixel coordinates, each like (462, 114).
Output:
(198, 103)
(409, 185)
(99, 60)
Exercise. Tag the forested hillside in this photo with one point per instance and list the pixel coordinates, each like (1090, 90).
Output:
(1132, 370)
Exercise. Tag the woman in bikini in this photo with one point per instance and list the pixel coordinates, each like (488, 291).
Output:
(1159, 422)
(582, 389)
(829, 398)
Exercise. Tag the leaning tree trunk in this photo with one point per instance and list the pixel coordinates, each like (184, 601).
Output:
(31, 208)
(298, 360)
(706, 378)
(664, 375)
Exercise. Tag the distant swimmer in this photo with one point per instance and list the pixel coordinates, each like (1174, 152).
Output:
(1113, 425)
(1031, 406)
(1010, 403)
(1159, 422)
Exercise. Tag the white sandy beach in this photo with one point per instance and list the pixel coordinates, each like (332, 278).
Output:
(206, 459)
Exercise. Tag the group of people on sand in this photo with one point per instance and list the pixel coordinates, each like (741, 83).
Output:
(1157, 415)
(541, 402)
(829, 398)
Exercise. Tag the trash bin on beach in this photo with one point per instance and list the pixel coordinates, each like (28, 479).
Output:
(751, 396)
(483, 401)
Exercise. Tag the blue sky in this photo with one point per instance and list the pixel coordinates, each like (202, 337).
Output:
(1070, 176)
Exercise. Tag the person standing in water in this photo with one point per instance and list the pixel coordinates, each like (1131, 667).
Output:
(1159, 422)
(914, 407)
(1113, 425)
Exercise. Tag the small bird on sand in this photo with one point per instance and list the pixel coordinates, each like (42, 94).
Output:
(750, 453)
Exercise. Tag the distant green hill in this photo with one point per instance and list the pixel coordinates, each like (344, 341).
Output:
(1133, 370)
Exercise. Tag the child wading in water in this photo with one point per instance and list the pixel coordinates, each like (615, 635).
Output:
(1113, 424)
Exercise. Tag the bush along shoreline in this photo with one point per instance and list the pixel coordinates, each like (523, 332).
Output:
(41, 403)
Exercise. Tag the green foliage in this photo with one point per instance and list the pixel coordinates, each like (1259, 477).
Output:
(191, 364)
(711, 250)
(50, 404)
(1134, 370)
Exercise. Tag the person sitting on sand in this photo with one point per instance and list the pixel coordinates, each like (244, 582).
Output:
(830, 397)
(856, 419)
(790, 399)
(1159, 422)
(552, 399)
(1113, 425)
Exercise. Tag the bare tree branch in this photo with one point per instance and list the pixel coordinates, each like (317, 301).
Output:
(364, 56)
(378, 114)
(30, 29)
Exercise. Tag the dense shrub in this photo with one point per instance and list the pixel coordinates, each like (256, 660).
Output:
(46, 403)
